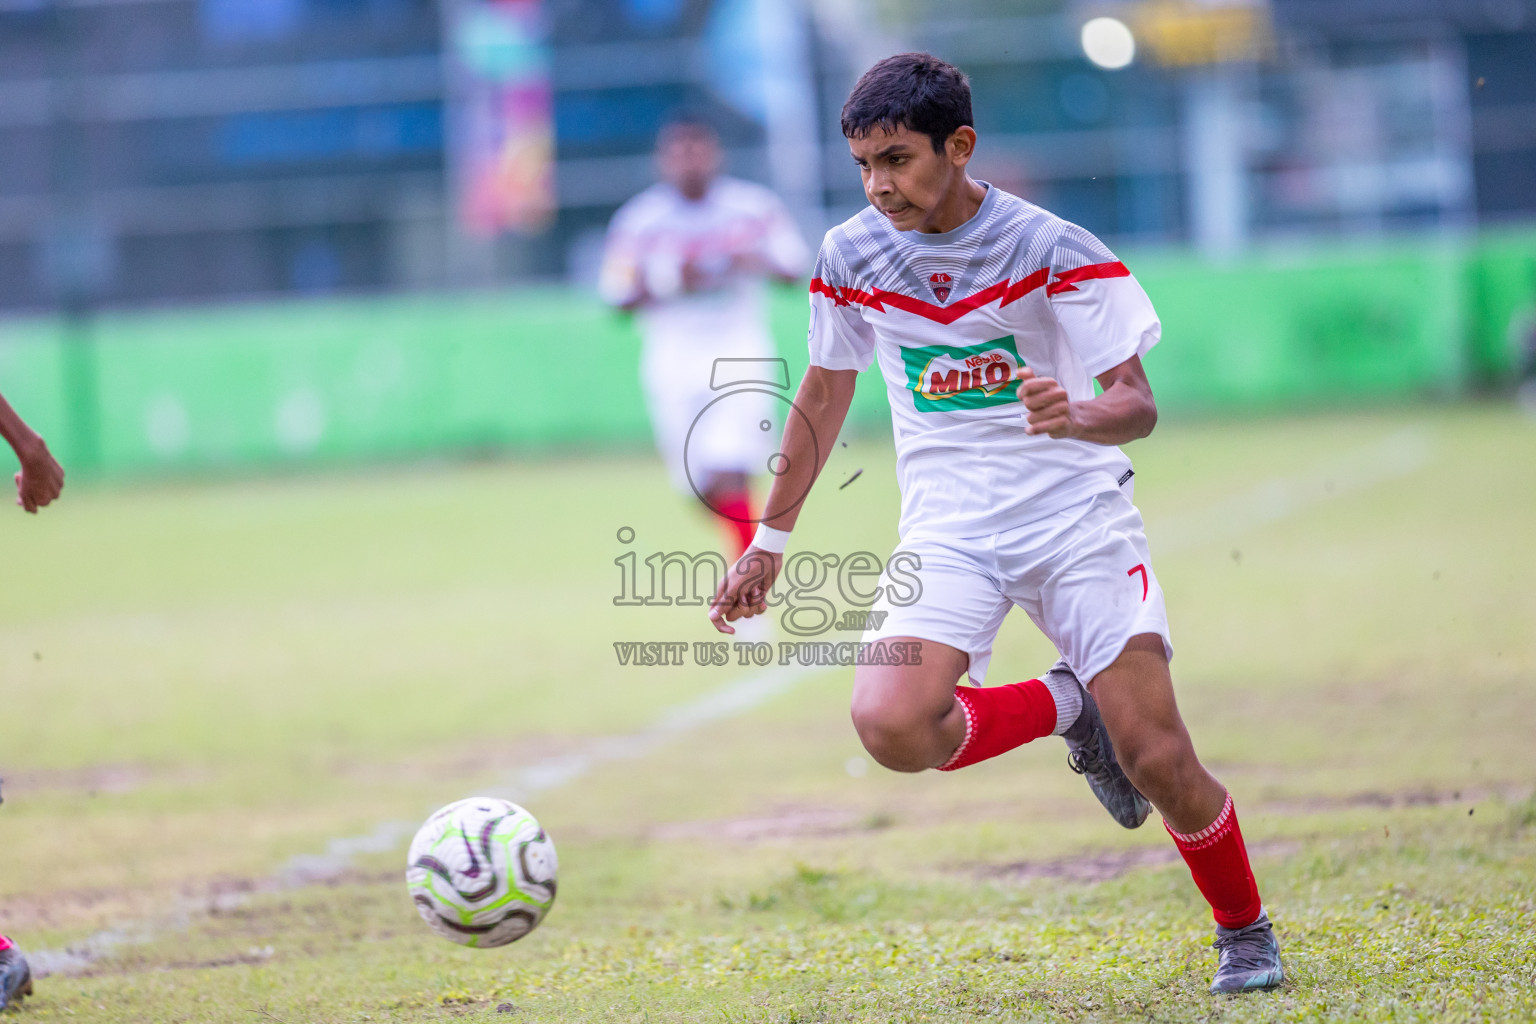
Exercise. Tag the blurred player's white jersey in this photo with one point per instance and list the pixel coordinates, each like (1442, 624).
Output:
(651, 238)
(951, 318)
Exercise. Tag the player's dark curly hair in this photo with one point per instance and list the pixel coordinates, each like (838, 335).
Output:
(917, 91)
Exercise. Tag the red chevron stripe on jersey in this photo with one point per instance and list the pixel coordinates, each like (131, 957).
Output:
(1008, 293)
(1066, 281)
(880, 298)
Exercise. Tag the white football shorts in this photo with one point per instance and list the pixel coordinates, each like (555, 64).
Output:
(702, 428)
(1084, 575)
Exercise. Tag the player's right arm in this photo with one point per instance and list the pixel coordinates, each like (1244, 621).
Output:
(1109, 323)
(41, 477)
(841, 344)
(821, 405)
(621, 280)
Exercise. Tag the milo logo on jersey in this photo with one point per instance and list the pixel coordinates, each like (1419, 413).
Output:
(944, 377)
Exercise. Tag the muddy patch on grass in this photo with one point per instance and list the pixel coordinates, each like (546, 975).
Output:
(255, 956)
(792, 822)
(460, 762)
(90, 779)
(782, 826)
(1419, 796)
(219, 897)
(24, 913)
(1093, 866)
(89, 968)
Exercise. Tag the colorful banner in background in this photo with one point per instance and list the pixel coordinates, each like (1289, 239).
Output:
(504, 122)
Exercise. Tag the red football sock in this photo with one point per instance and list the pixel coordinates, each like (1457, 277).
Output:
(735, 513)
(1219, 861)
(999, 718)
(5, 943)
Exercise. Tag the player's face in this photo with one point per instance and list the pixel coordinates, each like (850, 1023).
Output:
(689, 158)
(905, 179)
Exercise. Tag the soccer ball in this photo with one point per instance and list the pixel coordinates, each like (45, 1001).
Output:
(482, 872)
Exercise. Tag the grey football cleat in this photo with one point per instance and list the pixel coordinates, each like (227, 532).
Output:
(15, 977)
(1092, 755)
(1250, 958)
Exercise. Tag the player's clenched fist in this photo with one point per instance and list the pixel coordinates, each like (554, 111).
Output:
(41, 477)
(1050, 411)
(40, 480)
(744, 591)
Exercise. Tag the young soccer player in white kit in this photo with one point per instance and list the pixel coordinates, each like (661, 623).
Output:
(690, 256)
(991, 319)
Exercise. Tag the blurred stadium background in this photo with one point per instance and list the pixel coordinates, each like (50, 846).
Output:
(243, 232)
(360, 237)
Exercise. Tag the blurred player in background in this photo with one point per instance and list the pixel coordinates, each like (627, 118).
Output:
(690, 256)
(991, 319)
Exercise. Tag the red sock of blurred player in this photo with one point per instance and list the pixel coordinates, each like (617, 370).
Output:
(735, 513)
(5, 943)
(1218, 859)
(999, 718)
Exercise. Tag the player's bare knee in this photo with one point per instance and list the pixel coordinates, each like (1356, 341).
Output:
(896, 756)
(1152, 761)
(879, 727)
(896, 740)
(893, 750)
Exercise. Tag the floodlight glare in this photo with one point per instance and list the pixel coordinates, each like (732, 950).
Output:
(1108, 43)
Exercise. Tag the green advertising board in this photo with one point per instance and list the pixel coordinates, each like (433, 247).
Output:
(546, 368)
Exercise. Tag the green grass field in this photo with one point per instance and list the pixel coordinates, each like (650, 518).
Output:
(200, 682)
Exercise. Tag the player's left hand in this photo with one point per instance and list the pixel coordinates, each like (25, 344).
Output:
(41, 477)
(1050, 410)
(743, 592)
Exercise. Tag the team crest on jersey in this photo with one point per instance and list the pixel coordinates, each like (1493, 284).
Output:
(942, 285)
(945, 377)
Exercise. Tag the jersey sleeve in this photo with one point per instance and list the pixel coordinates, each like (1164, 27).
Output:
(619, 281)
(1103, 311)
(839, 338)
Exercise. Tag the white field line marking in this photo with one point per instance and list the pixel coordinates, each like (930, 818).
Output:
(729, 701)
(1398, 455)
(76, 958)
(553, 772)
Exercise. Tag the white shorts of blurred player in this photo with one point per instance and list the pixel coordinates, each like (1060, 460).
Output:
(1084, 575)
(712, 410)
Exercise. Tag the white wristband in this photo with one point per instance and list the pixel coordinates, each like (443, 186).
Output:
(769, 539)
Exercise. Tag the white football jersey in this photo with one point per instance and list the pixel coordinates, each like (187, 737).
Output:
(659, 230)
(951, 318)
